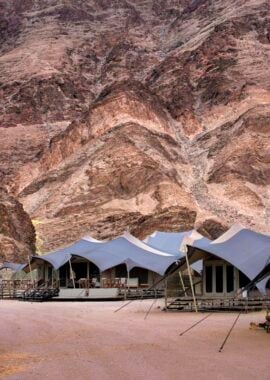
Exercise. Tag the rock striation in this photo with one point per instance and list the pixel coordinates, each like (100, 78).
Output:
(135, 114)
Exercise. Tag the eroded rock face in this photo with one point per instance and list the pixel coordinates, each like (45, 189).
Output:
(211, 228)
(138, 115)
(17, 234)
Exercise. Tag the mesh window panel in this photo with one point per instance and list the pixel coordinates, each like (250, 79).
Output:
(219, 279)
(209, 279)
(230, 278)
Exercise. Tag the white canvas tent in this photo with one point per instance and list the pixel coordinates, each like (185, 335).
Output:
(245, 249)
(13, 266)
(125, 249)
(175, 243)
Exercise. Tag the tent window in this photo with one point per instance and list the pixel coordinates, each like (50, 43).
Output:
(94, 271)
(230, 278)
(219, 278)
(209, 278)
(141, 274)
(80, 270)
(63, 275)
(121, 271)
(50, 272)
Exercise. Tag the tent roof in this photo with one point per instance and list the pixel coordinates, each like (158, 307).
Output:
(175, 243)
(13, 266)
(247, 250)
(125, 249)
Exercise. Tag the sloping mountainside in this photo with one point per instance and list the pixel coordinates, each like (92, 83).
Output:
(138, 115)
(17, 234)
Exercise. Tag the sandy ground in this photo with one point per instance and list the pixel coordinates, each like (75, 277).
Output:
(88, 340)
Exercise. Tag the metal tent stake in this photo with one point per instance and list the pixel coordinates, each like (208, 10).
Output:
(195, 324)
(229, 333)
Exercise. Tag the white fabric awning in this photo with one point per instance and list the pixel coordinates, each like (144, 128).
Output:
(125, 249)
(247, 250)
(175, 243)
(13, 266)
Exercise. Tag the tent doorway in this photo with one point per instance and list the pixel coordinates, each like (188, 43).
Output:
(140, 273)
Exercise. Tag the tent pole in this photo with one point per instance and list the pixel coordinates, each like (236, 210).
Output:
(166, 295)
(128, 279)
(71, 272)
(87, 271)
(182, 282)
(191, 283)
(30, 267)
(100, 278)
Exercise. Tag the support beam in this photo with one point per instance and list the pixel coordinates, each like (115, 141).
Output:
(71, 273)
(166, 295)
(128, 279)
(191, 283)
(30, 267)
(182, 283)
(87, 269)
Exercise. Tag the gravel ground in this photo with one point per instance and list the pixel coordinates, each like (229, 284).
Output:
(87, 340)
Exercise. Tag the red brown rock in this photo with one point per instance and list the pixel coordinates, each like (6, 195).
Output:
(139, 115)
(17, 234)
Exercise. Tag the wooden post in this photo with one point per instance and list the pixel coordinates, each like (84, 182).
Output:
(182, 283)
(125, 291)
(128, 280)
(191, 283)
(166, 295)
(30, 267)
(87, 269)
(100, 278)
(71, 272)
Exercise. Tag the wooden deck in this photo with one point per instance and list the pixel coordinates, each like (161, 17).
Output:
(31, 291)
(27, 290)
(219, 304)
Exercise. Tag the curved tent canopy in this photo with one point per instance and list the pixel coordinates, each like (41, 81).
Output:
(175, 243)
(13, 266)
(247, 250)
(56, 259)
(125, 249)
(167, 241)
(61, 256)
(135, 253)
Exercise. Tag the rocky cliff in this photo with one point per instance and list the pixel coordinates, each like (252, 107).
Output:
(135, 114)
(17, 234)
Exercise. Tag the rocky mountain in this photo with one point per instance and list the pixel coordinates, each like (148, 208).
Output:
(136, 115)
(17, 233)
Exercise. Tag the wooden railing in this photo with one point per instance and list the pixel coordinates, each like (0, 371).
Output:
(9, 288)
(18, 288)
